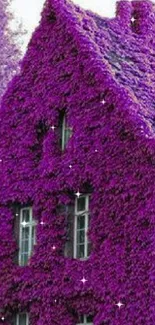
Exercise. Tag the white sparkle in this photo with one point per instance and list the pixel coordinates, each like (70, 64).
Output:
(53, 127)
(78, 194)
(119, 304)
(103, 102)
(70, 166)
(54, 248)
(24, 223)
(17, 214)
(96, 150)
(83, 280)
(133, 19)
(3, 318)
(42, 222)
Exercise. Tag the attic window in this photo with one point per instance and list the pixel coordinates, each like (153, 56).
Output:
(66, 131)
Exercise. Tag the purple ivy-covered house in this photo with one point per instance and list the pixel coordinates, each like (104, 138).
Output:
(77, 171)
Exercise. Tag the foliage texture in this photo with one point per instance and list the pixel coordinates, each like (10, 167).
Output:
(102, 72)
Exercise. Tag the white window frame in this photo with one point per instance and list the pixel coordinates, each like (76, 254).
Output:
(86, 213)
(30, 224)
(85, 322)
(64, 128)
(17, 318)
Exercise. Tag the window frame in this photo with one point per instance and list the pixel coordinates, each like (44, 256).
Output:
(85, 322)
(17, 318)
(86, 213)
(32, 223)
(63, 132)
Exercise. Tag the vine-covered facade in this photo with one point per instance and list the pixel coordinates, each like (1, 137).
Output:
(77, 171)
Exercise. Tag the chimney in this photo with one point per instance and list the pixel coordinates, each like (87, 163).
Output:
(124, 12)
(143, 12)
(137, 15)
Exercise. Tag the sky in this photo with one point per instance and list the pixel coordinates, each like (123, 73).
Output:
(28, 11)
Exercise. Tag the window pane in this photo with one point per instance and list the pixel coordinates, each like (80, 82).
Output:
(80, 251)
(25, 246)
(81, 319)
(26, 215)
(89, 248)
(33, 236)
(68, 133)
(24, 259)
(25, 233)
(81, 204)
(81, 222)
(90, 319)
(14, 322)
(22, 319)
(81, 237)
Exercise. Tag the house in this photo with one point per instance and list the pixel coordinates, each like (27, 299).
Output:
(77, 170)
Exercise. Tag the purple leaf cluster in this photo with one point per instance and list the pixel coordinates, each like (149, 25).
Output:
(101, 72)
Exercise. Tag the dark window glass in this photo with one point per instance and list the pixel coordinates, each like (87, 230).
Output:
(22, 319)
(81, 204)
(26, 215)
(81, 222)
(90, 319)
(80, 251)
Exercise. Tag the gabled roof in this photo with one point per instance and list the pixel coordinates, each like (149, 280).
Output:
(123, 49)
(124, 45)
(127, 47)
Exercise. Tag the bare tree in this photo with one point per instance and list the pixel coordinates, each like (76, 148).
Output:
(9, 48)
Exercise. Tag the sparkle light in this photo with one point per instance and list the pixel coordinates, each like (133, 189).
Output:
(103, 102)
(2, 318)
(24, 223)
(42, 223)
(53, 127)
(78, 194)
(96, 150)
(70, 166)
(54, 248)
(119, 304)
(0, 160)
(133, 19)
(83, 280)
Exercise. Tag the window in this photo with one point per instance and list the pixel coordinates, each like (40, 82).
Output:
(66, 132)
(81, 226)
(26, 235)
(84, 319)
(21, 319)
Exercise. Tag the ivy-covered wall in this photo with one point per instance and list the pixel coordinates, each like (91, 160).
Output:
(69, 66)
